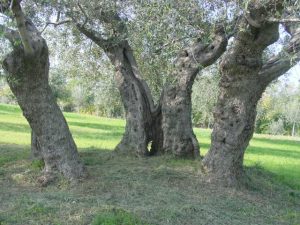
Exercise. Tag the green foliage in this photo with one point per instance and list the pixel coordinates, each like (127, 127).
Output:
(60, 89)
(276, 127)
(160, 29)
(6, 96)
(116, 217)
(82, 82)
(204, 97)
(279, 110)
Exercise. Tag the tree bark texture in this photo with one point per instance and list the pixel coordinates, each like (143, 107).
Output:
(27, 75)
(142, 118)
(36, 151)
(241, 87)
(178, 136)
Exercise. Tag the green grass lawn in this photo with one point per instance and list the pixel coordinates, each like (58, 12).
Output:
(157, 190)
(277, 154)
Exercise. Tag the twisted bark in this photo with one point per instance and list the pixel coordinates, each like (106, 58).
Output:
(244, 78)
(138, 104)
(27, 69)
(143, 118)
(178, 136)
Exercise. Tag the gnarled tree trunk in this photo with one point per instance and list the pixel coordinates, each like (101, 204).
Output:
(234, 116)
(178, 136)
(241, 86)
(167, 125)
(143, 119)
(236, 108)
(141, 115)
(28, 80)
(27, 68)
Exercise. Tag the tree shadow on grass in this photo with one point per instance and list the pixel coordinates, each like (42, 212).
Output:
(272, 152)
(98, 126)
(261, 151)
(14, 127)
(11, 153)
(100, 132)
(94, 156)
(97, 135)
(9, 109)
(259, 179)
(293, 143)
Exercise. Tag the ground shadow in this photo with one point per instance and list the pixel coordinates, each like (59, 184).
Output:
(97, 126)
(97, 135)
(272, 152)
(294, 143)
(11, 153)
(21, 128)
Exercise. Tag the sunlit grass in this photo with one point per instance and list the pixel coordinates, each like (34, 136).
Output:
(277, 154)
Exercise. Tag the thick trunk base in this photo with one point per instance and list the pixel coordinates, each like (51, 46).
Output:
(28, 80)
(137, 101)
(178, 135)
(241, 87)
(234, 116)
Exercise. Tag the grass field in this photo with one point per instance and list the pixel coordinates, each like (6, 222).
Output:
(157, 190)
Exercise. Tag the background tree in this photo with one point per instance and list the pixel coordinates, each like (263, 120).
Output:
(204, 97)
(278, 109)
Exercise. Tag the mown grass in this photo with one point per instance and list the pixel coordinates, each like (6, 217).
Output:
(157, 190)
(277, 154)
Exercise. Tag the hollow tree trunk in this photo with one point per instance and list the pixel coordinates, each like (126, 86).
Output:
(168, 125)
(27, 69)
(142, 118)
(241, 86)
(178, 136)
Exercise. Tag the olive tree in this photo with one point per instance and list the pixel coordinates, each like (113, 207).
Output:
(27, 71)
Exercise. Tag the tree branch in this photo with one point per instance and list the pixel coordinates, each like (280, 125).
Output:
(22, 27)
(93, 35)
(88, 32)
(55, 24)
(206, 54)
(131, 60)
(84, 13)
(160, 48)
(280, 64)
